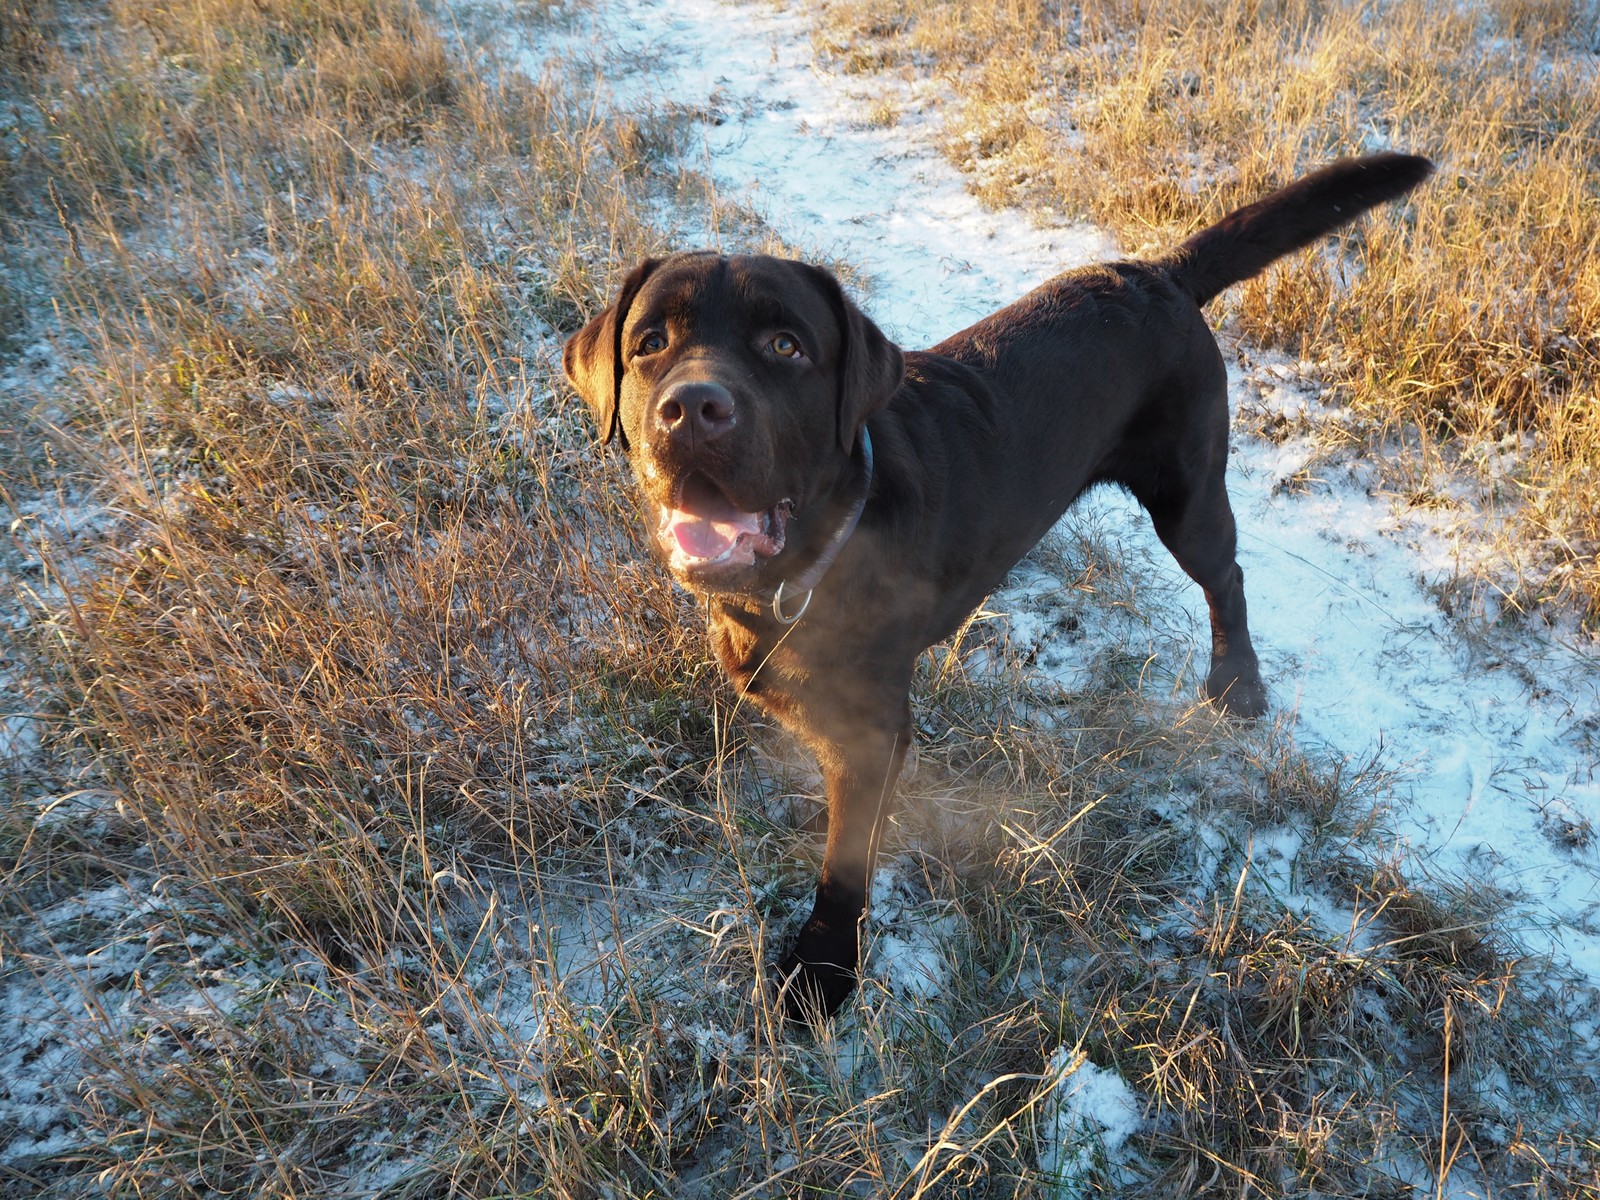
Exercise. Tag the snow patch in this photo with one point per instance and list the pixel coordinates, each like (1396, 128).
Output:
(1084, 1124)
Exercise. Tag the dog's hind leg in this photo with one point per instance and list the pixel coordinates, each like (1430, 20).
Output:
(1197, 526)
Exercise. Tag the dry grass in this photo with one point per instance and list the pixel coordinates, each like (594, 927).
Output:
(388, 833)
(1468, 327)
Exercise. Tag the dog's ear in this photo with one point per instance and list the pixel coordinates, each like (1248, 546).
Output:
(870, 365)
(593, 357)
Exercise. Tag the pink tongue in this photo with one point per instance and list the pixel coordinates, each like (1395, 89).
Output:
(709, 537)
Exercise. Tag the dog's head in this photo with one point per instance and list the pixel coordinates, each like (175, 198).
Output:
(738, 386)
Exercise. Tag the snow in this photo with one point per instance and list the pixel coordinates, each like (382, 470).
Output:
(1088, 1115)
(906, 953)
(797, 147)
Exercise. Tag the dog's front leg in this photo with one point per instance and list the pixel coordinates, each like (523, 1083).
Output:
(860, 761)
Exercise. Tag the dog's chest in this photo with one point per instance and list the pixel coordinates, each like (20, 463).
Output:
(761, 665)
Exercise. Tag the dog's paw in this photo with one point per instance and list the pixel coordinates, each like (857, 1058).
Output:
(818, 974)
(1241, 695)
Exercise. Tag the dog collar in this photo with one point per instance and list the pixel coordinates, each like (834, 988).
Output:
(802, 585)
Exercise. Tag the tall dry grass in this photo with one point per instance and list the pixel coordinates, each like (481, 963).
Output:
(388, 832)
(301, 316)
(1464, 332)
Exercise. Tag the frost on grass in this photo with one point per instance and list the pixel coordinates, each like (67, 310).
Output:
(494, 914)
(908, 949)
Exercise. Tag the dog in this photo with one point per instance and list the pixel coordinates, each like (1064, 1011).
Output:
(842, 504)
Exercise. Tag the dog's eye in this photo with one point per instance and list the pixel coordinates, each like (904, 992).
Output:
(653, 343)
(785, 346)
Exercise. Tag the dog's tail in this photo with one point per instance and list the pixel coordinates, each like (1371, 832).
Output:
(1245, 241)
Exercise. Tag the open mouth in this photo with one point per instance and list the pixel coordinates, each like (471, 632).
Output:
(703, 530)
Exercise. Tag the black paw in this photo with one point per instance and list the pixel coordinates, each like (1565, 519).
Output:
(1240, 695)
(818, 974)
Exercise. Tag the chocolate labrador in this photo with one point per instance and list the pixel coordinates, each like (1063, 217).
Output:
(843, 504)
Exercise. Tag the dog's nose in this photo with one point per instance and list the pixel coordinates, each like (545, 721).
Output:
(700, 410)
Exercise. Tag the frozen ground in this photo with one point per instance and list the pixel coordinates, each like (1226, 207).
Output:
(1491, 739)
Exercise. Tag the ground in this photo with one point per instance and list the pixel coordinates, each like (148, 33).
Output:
(1115, 945)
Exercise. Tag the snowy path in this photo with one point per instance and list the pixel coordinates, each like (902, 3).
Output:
(1496, 749)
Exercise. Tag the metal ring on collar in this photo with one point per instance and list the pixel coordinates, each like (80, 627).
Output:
(777, 605)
